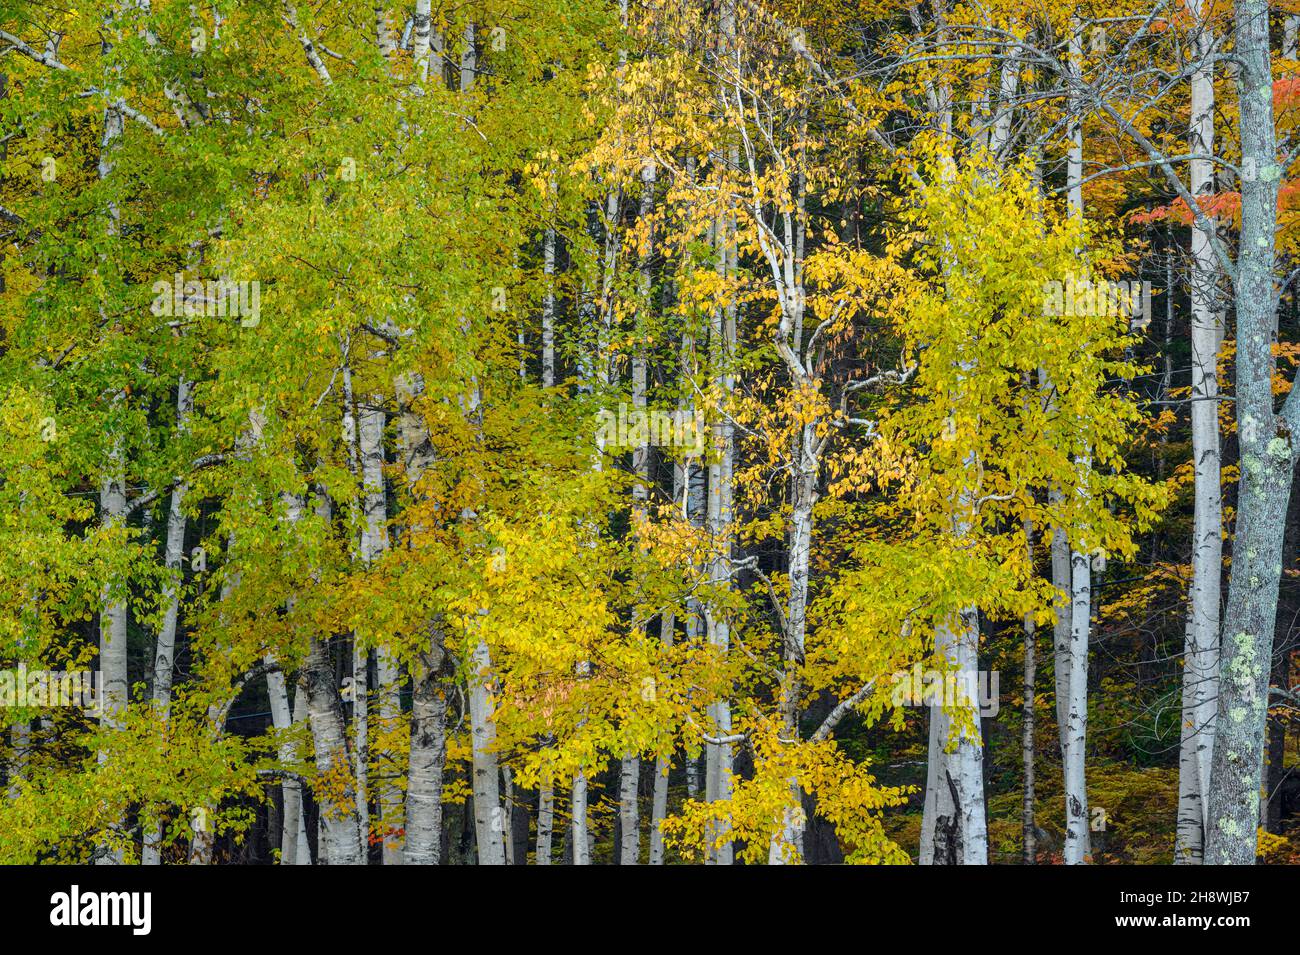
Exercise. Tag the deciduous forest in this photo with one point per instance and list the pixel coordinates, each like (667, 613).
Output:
(706, 432)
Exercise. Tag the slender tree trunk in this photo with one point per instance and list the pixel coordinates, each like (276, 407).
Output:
(1076, 795)
(112, 502)
(718, 756)
(384, 34)
(663, 764)
(112, 622)
(787, 844)
(165, 648)
(360, 653)
(545, 823)
(489, 818)
(548, 309)
(1075, 730)
(629, 851)
(421, 31)
(374, 543)
(302, 854)
(291, 789)
(1029, 825)
(579, 833)
(630, 774)
(341, 839)
(1201, 647)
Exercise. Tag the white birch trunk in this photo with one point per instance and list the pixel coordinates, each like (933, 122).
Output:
(374, 543)
(301, 854)
(360, 654)
(548, 310)
(308, 47)
(428, 757)
(486, 782)
(423, 840)
(545, 824)
(954, 830)
(1074, 740)
(341, 835)
(340, 839)
(421, 46)
(291, 790)
(579, 834)
(629, 783)
(112, 500)
(113, 622)
(1201, 646)
(1077, 847)
(630, 776)
(718, 756)
(489, 824)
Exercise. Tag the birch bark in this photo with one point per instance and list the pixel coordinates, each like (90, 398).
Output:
(1201, 646)
(423, 838)
(341, 841)
(1077, 838)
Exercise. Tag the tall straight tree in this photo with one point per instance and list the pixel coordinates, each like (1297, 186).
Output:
(1201, 647)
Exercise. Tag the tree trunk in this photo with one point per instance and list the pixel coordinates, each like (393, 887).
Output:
(579, 835)
(1077, 843)
(1268, 451)
(340, 822)
(1075, 729)
(489, 819)
(718, 756)
(112, 623)
(374, 543)
(421, 30)
(1029, 825)
(954, 829)
(545, 823)
(302, 853)
(548, 309)
(1201, 646)
(282, 719)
